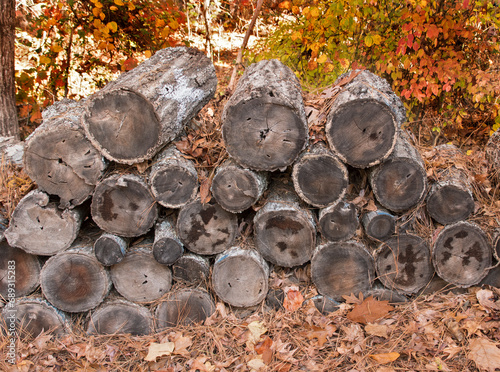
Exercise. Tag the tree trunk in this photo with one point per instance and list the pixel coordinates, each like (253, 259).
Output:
(379, 225)
(363, 121)
(60, 159)
(462, 254)
(264, 123)
(123, 205)
(39, 227)
(240, 277)
(110, 249)
(403, 263)
(338, 221)
(319, 177)
(342, 268)
(133, 117)
(191, 269)
(236, 188)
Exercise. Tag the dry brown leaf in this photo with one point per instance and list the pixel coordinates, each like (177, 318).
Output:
(484, 353)
(321, 334)
(182, 343)
(488, 299)
(157, 350)
(264, 348)
(205, 184)
(257, 329)
(256, 364)
(380, 330)
(352, 299)
(385, 358)
(369, 311)
(293, 300)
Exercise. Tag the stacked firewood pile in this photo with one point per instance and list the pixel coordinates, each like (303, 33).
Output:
(282, 198)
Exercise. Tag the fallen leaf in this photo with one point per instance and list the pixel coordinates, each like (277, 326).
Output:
(369, 311)
(488, 299)
(352, 299)
(182, 343)
(484, 353)
(385, 358)
(256, 329)
(293, 300)
(205, 184)
(264, 348)
(158, 350)
(256, 364)
(380, 330)
(321, 334)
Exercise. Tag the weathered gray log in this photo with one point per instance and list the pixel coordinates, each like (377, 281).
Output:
(119, 316)
(285, 231)
(240, 277)
(496, 245)
(338, 221)
(110, 249)
(379, 225)
(264, 122)
(122, 204)
(206, 228)
(185, 307)
(400, 182)
(492, 278)
(363, 121)
(173, 178)
(385, 294)
(134, 116)
(191, 269)
(319, 177)
(12, 151)
(492, 152)
(236, 188)
(60, 159)
(325, 305)
(342, 268)
(403, 263)
(39, 227)
(462, 254)
(140, 278)
(167, 247)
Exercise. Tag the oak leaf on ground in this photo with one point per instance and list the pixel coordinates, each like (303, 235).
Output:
(484, 353)
(369, 311)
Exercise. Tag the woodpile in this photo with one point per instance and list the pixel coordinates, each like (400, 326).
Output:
(162, 252)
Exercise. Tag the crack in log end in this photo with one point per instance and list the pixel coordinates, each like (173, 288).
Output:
(106, 207)
(284, 223)
(207, 214)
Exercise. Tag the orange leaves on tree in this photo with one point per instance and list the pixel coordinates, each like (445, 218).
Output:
(369, 311)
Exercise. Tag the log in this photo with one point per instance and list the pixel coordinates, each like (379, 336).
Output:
(400, 182)
(403, 263)
(122, 204)
(492, 278)
(173, 179)
(134, 116)
(191, 269)
(167, 247)
(363, 121)
(379, 225)
(462, 254)
(119, 316)
(240, 277)
(338, 221)
(206, 229)
(39, 227)
(140, 278)
(319, 177)
(492, 153)
(285, 231)
(236, 188)
(325, 305)
(60, 159)
(496, 245)
(12, 151)
(342, 268)
(264, 126)
(110, 249)
(385, 294)
(185, 307)
(275, 298)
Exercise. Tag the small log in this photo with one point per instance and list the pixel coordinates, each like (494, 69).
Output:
(462, 254)
(275, 298)
(240, 277)
(379, 225)
(119, 316)
(285, 232)
(110, 249)
(60, 159)
(264, 123)
(400, 182)
(133, 117)
(363, 121)
(173, 178)
(123, 205)
(167, 247)
(39, 227)
(338, 221)
(236, 188)
(492, 278)
(206, 229)
(325, 305)
(342, 268)
(191, 269)
(403, 263)
(74, 281)
(319, 177)
(140, 278)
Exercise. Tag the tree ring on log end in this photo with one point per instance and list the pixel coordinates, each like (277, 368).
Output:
(362, 132)
(167, 250)
(448, 204)
(174, 186)
(339, 221)
(263, 135)
(235, 189)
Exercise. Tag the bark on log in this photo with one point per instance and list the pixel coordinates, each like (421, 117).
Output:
(185, 307)
(379, 225)
(173, 179)
(110, 249)
(12, 151)
(60, 159)
(492, 152)
(285, 232)
(39, 227)
(264, 122)
(206, 229)
(191, 269)
(319, 177)
(339, 221)
(462, 254)
(134, 116)
(400, 182)
(363, 121)
(167, 247)
(385, 294)
(492, 278)
(240, 277)
(140, 278)
(342, 268)
(236, 188)
(403, 263)
(123, 205)
(325, 305)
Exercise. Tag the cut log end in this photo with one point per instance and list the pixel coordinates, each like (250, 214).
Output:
(110, 249)
(167, 250)
(448, 204)
(174, 186)
(379, 225)
(339, 221)
(191, 269)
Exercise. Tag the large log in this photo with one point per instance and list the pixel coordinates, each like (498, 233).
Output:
(167, 247)
(39, 227)
(264, 122)
(60, 159)
(338, 221)
(363, 121)
(191, 269)
(134, 116)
